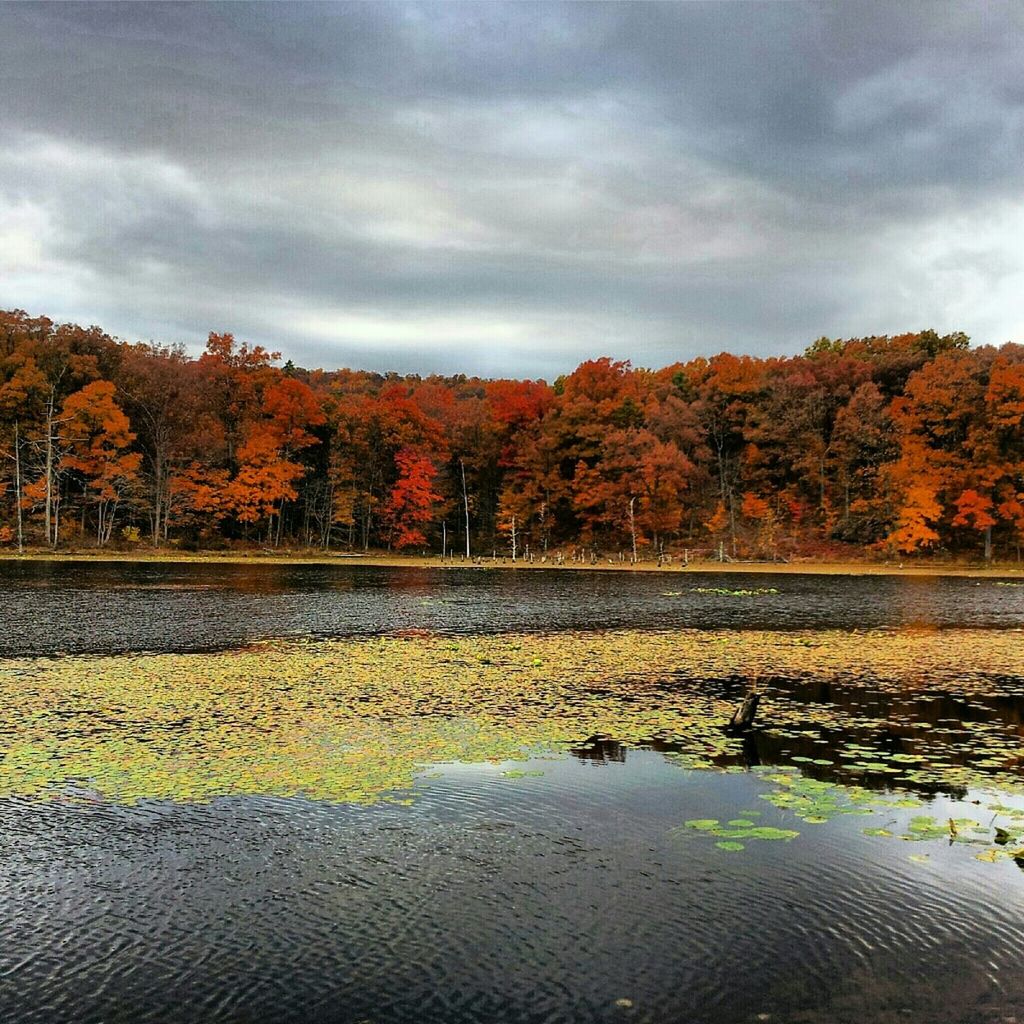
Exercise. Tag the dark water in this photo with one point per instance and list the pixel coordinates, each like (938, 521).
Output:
(93, 607)
(543, 899)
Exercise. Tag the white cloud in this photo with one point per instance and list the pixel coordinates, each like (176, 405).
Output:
(958, 271)
(23, 226)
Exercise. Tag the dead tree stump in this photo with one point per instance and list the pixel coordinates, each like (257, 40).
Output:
(743, 716)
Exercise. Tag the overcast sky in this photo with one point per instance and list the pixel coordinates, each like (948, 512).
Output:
(509, 189)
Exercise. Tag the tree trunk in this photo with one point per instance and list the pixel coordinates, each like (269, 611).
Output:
(465, 502)
(158, 499)
(17, 487)
(51, 538)
(632, 527)
(732, 524)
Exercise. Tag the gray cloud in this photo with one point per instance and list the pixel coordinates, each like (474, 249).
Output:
(512, 188)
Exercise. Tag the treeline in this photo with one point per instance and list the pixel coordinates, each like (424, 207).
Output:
(898, 443)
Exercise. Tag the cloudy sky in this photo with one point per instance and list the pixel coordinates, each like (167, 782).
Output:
(508, 189)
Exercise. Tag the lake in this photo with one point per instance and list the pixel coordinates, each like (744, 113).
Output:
(277, 793)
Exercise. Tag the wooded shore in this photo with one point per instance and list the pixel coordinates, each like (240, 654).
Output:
(908, 567)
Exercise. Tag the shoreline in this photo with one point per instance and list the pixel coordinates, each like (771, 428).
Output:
(906, 568)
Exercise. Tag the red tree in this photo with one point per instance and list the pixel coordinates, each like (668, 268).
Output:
(410, 504)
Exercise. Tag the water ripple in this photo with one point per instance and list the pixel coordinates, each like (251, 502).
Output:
(95, 607)
(540, 899)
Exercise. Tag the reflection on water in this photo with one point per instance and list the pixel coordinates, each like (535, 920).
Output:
(546, 898)
(89, 607)
(888, 728)
(535, 826)
(352, 720)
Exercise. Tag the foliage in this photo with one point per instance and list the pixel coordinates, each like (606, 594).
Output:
(911, 443)
(410, 506)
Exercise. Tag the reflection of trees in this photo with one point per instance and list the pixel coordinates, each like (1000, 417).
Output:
(763, 748)
(600, 748)
(911, 717)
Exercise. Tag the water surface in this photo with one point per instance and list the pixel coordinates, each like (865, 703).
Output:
(429, 829)
(97, 607)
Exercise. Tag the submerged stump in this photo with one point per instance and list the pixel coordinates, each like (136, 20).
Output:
(743, 716)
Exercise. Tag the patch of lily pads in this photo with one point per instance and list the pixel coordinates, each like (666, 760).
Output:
(730, 592)
(364, 720)
(816, 802)
(1002, 837)
(739, 829)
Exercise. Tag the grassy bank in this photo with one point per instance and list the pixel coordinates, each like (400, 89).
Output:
(907, 567)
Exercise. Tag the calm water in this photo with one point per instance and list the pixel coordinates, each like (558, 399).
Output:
(567, 896)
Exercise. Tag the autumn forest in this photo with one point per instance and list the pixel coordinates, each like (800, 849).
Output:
(889, 445)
